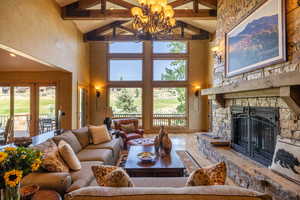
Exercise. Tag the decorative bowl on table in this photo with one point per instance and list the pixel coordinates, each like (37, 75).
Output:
(28, 191)
(146, 156)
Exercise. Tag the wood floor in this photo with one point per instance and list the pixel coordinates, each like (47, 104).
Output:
(188, 142)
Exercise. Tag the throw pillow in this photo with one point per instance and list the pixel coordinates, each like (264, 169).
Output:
(69, 155)
(128, 128)
(51, 161)
(111, 176)
(212, 175)
(286, 159)
(70, 138)
(83, 136)
(99, 134)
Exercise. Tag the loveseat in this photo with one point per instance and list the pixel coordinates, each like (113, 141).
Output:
(89, 154)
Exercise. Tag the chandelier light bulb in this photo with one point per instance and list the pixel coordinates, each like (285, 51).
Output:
(156, 9)
(172, 21)
(142, 2)
(169, 13)
(152, 2)
(136, 11)
(163, 2)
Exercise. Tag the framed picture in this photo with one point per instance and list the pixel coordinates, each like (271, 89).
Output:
(258, 41)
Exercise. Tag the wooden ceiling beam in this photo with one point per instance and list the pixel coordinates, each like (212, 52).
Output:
(92, 38)
(191, 27)
(103, 6)
(71, 12)
(102, 29)
(213, 4)
(84, 4)
(122, 3)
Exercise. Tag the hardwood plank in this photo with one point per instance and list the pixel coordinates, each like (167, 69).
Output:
(122, 3)
(273, 92)
(71, 13)
(196, 5)
(83, 4)
(213, 4)
(103, 6)
(273, 81)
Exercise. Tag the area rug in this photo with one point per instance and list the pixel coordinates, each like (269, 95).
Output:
(187, 159)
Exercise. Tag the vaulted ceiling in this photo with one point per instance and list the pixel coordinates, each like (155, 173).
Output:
(100, 16)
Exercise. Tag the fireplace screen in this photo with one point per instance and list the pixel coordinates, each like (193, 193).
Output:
(254, 132)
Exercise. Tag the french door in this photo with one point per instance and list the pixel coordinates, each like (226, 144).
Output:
(32, 106)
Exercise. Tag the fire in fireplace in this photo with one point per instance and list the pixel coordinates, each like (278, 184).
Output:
(254, 132)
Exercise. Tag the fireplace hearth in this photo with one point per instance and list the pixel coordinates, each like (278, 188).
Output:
(254, 132)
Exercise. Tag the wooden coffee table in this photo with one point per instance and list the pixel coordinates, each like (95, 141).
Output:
(168, 166)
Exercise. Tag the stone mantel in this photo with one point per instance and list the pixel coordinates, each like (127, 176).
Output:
(285, 85)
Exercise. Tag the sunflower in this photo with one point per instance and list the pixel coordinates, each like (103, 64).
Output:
(36, 165)
(3, 156)
(9, 149)
(13, 178)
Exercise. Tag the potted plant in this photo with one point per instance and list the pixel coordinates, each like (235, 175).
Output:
(15, 163)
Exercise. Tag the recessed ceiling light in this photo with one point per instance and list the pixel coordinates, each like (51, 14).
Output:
(12, 55)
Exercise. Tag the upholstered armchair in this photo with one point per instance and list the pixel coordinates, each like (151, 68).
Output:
(129, 128)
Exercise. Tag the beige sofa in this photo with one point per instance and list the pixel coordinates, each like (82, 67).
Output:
(166, 189)
(89, 154)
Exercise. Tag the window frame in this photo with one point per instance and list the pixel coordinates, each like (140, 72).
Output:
(186, 105)
(108, 48)
(183, 41)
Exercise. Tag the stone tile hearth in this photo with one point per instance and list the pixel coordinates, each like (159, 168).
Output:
(248, 173)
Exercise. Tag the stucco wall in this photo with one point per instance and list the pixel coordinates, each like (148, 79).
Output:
(36, 28)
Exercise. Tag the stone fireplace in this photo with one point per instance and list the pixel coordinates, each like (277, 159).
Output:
(254, 132)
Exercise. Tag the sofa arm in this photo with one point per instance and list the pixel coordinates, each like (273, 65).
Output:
(59, 182)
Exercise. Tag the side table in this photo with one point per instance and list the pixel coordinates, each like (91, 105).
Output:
(46, 194)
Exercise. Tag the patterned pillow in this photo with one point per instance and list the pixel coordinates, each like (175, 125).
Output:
(128, 128)
(111, 176)
(212, 175)
(52, 161)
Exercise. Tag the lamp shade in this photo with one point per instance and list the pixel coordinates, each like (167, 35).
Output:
(136, 11)
(156, 8)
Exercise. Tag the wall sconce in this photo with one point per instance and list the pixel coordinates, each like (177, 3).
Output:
(197, 90)
(98, 93)
(218, 57)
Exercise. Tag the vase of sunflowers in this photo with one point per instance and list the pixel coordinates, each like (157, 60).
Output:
(15, 163)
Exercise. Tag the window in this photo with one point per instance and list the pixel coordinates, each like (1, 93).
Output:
(169, 70)
(126, 102)
(169, 47)
(125, 70)
(126, 47)
(47, 108)
(169, 107)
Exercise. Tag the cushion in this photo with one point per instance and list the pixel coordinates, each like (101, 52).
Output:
(83, 136)
(212, 175)
(68, 155)
(115, 145)
(128, 128)
(286, 159)
(84, 176)
(70, 138)
(103, 155)
(99, 134)
(111, 176)
(52, 161)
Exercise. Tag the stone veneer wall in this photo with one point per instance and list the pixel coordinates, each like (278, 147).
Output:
(230, 13)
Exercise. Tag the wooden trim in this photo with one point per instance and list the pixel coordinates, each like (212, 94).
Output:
(83, 4)
(72, 13)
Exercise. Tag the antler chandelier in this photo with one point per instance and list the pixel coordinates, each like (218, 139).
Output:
(153, 17)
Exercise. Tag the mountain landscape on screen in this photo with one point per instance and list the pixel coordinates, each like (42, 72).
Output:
(257, 42)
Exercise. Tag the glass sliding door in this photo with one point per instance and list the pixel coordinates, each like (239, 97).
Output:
(47, 108)
(22, 111)
(4, 109)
